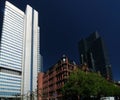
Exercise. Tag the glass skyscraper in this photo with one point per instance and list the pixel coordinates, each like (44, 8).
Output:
(93, 51)
(19, 50)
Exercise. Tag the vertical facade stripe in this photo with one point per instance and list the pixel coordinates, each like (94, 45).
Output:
(32, 39)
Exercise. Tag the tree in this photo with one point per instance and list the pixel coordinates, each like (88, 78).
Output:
(87, 84)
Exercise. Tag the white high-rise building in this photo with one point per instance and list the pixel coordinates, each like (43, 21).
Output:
(31, 53)
(19, 50)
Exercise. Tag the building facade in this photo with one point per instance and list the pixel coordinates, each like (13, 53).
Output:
(11, 50)
(31, 51)
(54, 79)
(93, 51)
(19, 50)
(40, 86)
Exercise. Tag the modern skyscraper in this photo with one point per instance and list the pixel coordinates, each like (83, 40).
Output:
(11, 50)
(93, 52)
(19, 50)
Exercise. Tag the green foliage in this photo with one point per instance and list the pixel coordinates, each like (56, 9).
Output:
(89, 84)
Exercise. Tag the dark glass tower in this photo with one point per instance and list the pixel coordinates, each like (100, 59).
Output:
(92, 51)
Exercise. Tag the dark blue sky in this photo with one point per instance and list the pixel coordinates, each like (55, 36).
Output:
(64, 22)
